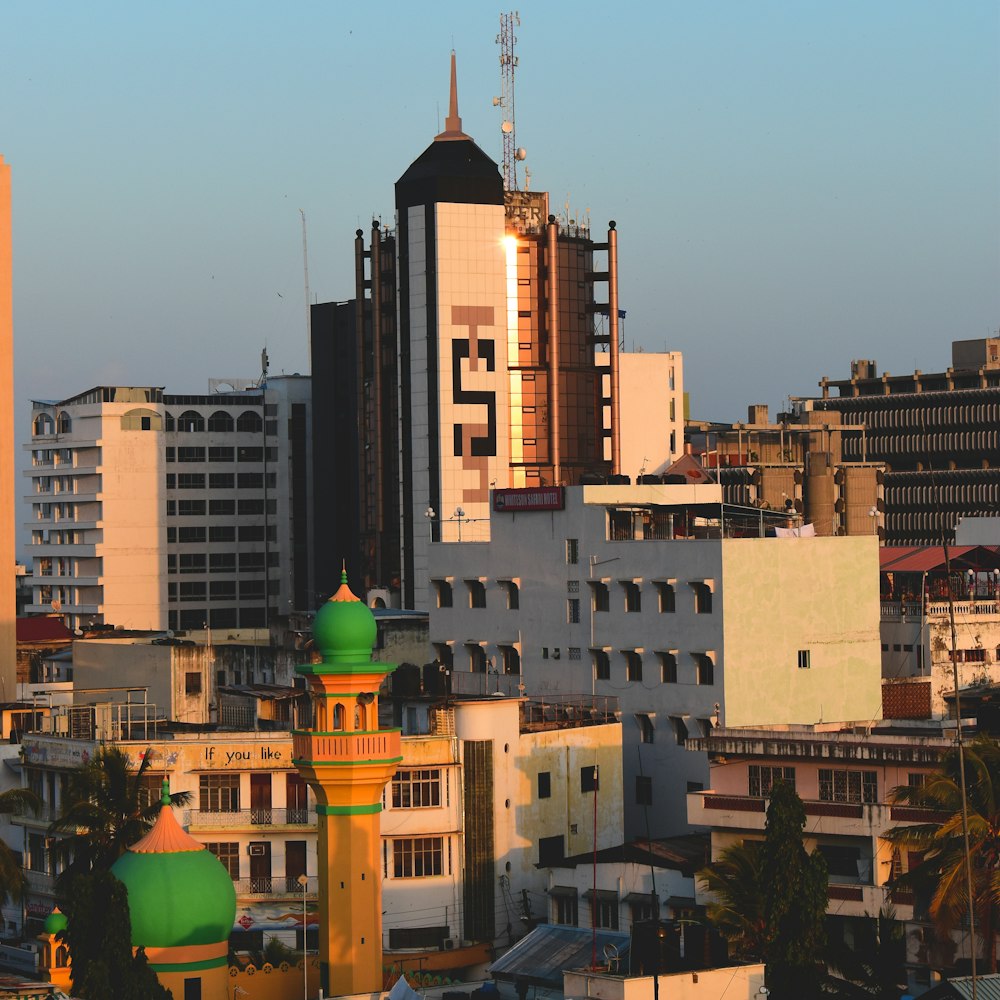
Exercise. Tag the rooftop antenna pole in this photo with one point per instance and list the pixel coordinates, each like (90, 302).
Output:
(305, 268)
(505, 102)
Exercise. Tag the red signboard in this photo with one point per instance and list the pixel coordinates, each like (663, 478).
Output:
(530, 498)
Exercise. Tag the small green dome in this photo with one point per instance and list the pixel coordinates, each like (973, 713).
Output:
(344, 628)
(55, 922)
(175, 899)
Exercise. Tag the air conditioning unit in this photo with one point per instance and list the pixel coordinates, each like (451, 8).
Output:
(256, 850)
(450, 944)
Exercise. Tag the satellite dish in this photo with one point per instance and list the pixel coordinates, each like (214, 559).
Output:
(78, 631)
(521, 154)
(496, 102)
(507, 127)
(170, 633)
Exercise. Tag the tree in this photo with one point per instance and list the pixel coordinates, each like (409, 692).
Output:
(12, 877)
(873, 962)
(795, 900)
(99, 935)
(737, 908)
(107, 808)
(942, 871)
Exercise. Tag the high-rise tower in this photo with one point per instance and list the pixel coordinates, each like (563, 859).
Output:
(347, 761)
(8, 639)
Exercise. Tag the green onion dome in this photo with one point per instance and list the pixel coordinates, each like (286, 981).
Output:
(344, 628)
(55, 922)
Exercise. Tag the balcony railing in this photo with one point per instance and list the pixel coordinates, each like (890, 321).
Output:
(215, 820)
(345, 746)
(914, 610)
(275, 886)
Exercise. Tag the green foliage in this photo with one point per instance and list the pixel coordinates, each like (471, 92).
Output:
(99, 935)
(276, 952)
(942, 872)
(795, 900)
(737, 910)
(12, 878)
(105, 811)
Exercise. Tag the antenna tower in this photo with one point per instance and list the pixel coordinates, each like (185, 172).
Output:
(505, 102)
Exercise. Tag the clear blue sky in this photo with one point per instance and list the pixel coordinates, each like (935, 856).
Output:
(795, 184)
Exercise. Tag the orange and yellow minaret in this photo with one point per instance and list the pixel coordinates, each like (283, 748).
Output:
(347, 760)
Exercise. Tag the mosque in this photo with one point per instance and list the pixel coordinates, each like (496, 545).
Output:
(181, 898)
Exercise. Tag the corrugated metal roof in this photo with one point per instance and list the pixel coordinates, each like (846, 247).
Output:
(542, 955)
(987, 988)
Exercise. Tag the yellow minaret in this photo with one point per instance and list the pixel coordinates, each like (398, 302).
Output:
(347, 760)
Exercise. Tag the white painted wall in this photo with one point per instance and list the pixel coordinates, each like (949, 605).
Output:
(651, 404)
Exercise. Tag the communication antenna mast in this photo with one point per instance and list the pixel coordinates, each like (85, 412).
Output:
(505, 102)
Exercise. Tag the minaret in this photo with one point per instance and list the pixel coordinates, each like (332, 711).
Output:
(347, 760)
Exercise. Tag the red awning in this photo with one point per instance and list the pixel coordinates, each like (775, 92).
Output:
(927, 558)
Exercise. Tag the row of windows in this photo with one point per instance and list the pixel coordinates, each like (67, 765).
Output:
(219, 508)
(214, 455)
(600, 595)
(835, 784)
(218, 562)
(192, 422)
(220, 590)
(215, 480)
(703, 662)
(222, 533)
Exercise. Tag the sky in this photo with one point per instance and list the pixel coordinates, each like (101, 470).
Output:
(795, 184)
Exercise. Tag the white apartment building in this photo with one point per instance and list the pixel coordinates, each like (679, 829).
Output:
(649, 594)
(151, 511)
(497, 787)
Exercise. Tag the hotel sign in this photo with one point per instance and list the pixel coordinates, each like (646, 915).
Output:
(530, 498)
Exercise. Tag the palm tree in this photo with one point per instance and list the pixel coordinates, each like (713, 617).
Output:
(737, 912)
(106, 809)
(940, 838)
(12, 877)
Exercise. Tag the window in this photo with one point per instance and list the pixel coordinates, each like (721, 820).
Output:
(222, 562)
(668, 667)
(222, 533)
(600, 599)
(229, 855)
(417, 857)
(544, 784)
(171, 453)
(916, 780)
(704, 668)
(588, 778)
(847, 786)
(511, 659)
(190, 481)
(220, 421)
(190, 455)
(572, 551)
(633, 664)
(762, 779)
(221, 480)
(193, 590)
(249, 422)
(190, 422)
(444, 593)
(416, 789)
(702, 598)
(550, 851)
(643, 909)
(222, 590)
(647, 731)
(250, 455)
(602, 664)
(680, 729)
(804, 658)
(192, 562)
(567, 909)
(222, 455)
(477, 593)
(222, 508)
(513, 592)
(219, 793)
(643, 790)
(633, 595)
(573, 610)
(477, 657)
(250, 480)
(667, 597)
(192, 683)
(604, 909)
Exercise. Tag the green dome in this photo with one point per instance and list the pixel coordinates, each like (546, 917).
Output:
(55, 922)
(174, 899)
(344, 628)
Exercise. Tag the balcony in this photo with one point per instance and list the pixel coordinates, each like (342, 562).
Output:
(333, 747)
(914, 611)
(275, 887)
(249, 819)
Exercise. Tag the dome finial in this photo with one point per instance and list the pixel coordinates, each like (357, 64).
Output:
(453, 123)
(165, 793)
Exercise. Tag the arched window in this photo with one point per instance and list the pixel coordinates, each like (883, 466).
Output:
(220, 421)
(141, 420)
(168, 422)
(190, 421)
(338, 718)
(43, 425)
(62, 957)
(249, 422)
(65, 423)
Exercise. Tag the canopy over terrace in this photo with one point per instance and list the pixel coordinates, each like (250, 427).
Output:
(912, 573)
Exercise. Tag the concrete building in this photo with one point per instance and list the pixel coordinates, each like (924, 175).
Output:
(648, 594)
(151, 511)
(652, 412)
(474, 354)
(8, 491)
(844, 775)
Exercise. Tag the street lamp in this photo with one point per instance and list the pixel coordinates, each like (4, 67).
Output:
(430, 515)
(304, 882)
(459, 513)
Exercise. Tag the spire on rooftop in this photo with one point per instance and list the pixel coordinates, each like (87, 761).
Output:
(453, 123)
